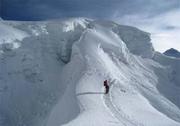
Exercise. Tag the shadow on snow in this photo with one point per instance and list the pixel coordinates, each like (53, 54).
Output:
(87, 93)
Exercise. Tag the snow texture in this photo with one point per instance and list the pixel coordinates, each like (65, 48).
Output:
(52, 73)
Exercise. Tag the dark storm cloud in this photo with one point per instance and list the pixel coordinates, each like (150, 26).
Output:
(48, 9)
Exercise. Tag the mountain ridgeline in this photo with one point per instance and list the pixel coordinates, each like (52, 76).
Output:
(172, 53)
(52, 74)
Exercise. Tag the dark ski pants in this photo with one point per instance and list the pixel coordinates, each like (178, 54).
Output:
(107, 89)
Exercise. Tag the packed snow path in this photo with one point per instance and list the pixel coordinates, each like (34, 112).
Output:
(117, 112)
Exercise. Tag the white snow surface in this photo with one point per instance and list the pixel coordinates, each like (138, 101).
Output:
(11, 35)
(55, 76)
(71, 24)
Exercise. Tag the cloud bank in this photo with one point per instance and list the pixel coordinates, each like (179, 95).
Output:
(48, 9)
(159, 17)
(164, 28)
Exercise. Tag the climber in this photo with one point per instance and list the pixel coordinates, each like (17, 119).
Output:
(106, 86)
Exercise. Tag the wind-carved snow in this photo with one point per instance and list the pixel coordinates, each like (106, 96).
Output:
(56, 77)
(71, 24)
(38, 30)
(136, 40)
(133, 92)
(10, 37)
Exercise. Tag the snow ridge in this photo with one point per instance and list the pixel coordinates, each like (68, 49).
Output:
(55, 76)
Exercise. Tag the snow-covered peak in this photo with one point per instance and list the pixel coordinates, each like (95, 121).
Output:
(136, 40)
(172, 52)
(70, 24)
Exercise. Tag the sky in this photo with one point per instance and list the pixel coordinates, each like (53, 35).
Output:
(159, 17)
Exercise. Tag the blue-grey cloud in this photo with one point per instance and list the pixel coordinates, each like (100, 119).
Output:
(48, 9)
(169, 27)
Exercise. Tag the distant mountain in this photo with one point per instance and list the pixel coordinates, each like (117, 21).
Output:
(172, 52)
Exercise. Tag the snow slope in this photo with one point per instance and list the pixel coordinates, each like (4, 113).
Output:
(10, 37)
(55, 77)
